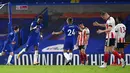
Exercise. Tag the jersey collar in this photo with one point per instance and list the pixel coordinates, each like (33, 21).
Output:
(108, 18)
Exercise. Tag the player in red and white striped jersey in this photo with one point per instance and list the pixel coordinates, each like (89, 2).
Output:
(110, 38)
(82, 42)
(120, 30)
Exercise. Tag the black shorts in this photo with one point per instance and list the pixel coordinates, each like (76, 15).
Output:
(81, 47)
(120, 45)
(110, 42)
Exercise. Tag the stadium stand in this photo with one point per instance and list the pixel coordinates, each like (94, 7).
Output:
(62, 1)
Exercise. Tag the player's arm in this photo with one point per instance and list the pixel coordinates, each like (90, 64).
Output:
(106, 30)
(41, 31)
(10, 27)
(77, 40)
(57, 33)
(78, 29)
(87, 32)
(13, 41)
(98, 24)
(60, 32)
(33, 26)
(116, 28)
(41, 34)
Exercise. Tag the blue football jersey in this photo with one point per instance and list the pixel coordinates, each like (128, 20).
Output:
(11, 37)
(35, 29)
(70, 31)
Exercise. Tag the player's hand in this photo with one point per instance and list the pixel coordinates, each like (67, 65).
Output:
(86, 42)
(13, 42)
(41, 36)
(76, 44)
(100, 31)
(0, 54)
(95, 23)
(53, 33)
(75, 47)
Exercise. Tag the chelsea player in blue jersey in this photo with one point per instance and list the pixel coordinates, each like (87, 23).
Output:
(33, 39)
(69, 31)
(7, 47)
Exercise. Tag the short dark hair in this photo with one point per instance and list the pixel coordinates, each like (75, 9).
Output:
(16, 27)
(119, 20)
(40, 16)
(103, 13)
(80, 24)
(69, 19)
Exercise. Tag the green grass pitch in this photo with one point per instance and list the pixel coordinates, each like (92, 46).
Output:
(63, 69)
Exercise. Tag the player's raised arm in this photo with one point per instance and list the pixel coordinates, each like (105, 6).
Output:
(98, 24)
(109, 23)
(60, 32)
(33, 26)
(105, 16)
(57, 33)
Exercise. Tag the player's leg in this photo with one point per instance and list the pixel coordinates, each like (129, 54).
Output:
(85, 55)
(118, 56)
(22, 51)
(28, 44)
(122, 53)
(71, 47)
(114, 63)
(9, 58)
(3, 49)
(10, 49)
(2, 53)
(81, 55)
(70, 55)
(66, 56)
(115, 53)
(36, 55)
(65, 51)
(121, 49)
(113, 50)
(106, 57)
(115, 58)
(106, 54)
